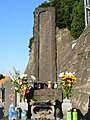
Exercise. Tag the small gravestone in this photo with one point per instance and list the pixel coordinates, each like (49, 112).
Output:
(8, 91)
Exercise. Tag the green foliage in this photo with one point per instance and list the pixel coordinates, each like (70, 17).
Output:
(45, 4)
(78, 20)
(63, 10)
(31, 40)
(67, 92)
(62, 14)
(53, 3)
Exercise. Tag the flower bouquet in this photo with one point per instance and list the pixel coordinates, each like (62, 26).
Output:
(67, 81)
(21, 84)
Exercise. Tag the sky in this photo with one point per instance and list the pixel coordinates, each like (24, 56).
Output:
(16, 28)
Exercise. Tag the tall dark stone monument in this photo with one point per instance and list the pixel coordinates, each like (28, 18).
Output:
(45, 44)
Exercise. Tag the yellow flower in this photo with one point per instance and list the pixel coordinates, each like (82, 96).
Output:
(74, 78)
(69, 85)
(69, 81)
(66, 76)
(63, 81)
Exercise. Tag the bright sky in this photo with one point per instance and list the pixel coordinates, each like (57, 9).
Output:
(16, 27)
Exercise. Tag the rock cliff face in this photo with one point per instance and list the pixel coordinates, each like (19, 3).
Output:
(74, 59)
(64, 47)
(30, 66)
(78, 61)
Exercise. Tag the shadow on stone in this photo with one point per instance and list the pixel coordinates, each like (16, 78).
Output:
(80, 115)
(87, 115)
(29, 96)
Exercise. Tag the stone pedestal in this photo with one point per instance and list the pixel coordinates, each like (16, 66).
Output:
(43, 110)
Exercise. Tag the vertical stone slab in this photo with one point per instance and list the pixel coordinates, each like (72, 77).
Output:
(45, 44)
(8, 91)
(0, 93)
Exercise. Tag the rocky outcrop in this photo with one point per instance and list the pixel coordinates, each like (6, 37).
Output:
(72, 59)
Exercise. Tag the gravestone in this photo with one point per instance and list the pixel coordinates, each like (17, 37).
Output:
(8, 92)
(45, 45)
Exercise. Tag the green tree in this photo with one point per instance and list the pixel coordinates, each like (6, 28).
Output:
(78, 20)
(63, 12)
(45, 4)
(31, 40)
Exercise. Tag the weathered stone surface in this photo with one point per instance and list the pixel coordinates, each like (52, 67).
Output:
(79, 62)
(30, 69)
(44, 67)
(8, 91)
(48, 94)
(64, 47)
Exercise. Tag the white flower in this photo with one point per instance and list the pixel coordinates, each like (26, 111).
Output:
(23, 76)
(61, 74)
(69, 73)
(12, 78)
(73, 73)
(17, 80)
(66, 73)
(20, 83)
(16, 88)
(33, 77)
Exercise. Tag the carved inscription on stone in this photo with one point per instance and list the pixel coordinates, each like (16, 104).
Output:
(45, 44)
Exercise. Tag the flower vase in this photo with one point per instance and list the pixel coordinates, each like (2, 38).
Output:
(66, 105)
(20, 98)
(22, 102)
